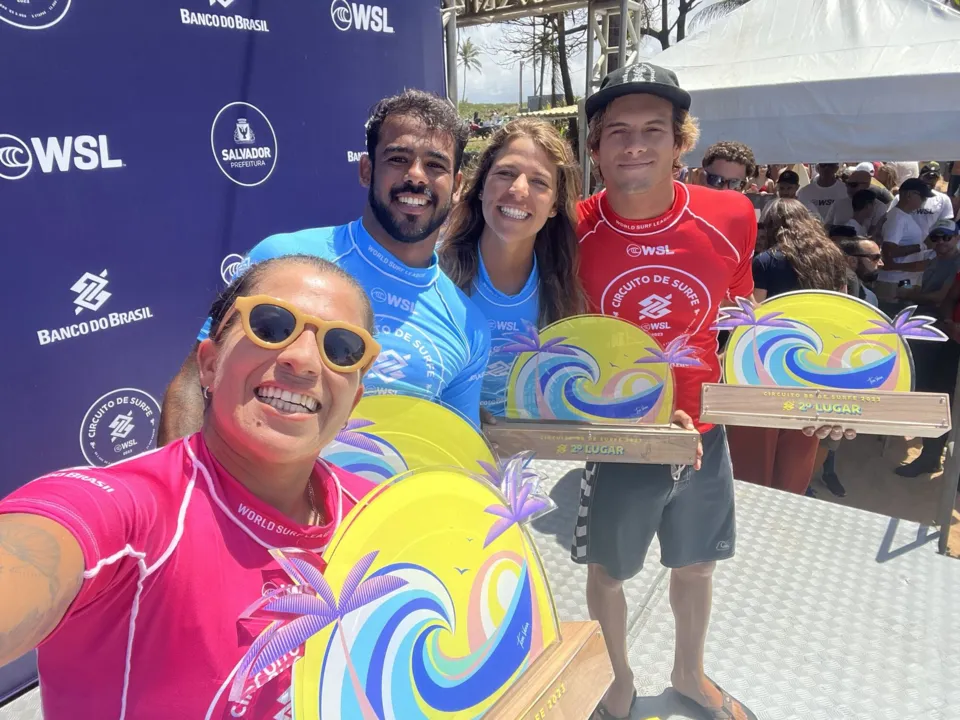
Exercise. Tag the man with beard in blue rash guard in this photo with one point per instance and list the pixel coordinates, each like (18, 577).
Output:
(435, 340)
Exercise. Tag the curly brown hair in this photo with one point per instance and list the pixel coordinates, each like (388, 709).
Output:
(800, 238)
(734, 152)
(556, 247)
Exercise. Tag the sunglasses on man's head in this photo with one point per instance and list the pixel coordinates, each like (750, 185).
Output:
(873, 256)
(939, 238)
(274, 324)
(851, 184)
(720, 182)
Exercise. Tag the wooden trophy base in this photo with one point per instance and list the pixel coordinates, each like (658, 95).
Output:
(563, 440)
(567, 682)
(869, 412)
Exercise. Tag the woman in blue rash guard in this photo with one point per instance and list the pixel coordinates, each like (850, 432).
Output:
(511, 243)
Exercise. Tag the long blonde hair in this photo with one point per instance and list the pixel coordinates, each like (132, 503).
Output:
(556, 247)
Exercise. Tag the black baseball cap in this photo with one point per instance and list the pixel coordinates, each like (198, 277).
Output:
(916, 185)
(789, 177)
(638, 78)
(930, 168)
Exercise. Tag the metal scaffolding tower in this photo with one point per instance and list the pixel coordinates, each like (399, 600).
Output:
(615, 26)
(618, 41)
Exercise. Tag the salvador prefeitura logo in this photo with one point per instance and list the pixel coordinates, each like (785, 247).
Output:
(244, 144)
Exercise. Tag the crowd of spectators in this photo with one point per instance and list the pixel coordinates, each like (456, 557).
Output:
(883, 232)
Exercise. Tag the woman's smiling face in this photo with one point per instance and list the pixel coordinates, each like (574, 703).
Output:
(283, 405)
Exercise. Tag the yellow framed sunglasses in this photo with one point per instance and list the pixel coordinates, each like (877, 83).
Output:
(273, 324)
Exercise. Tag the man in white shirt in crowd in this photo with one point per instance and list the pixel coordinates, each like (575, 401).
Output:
(935, 208)
(842, 210)
(940, 271)
(825, 190)
(904, 256)
(864, 203)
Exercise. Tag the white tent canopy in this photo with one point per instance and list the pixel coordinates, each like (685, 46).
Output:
(827, 80)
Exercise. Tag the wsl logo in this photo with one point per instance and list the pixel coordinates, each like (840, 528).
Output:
(33, 14)
(359, 16)
(15, 158)
(232, 266)
(119, 425)
(50, 155)
(379, 295)
(244, 144)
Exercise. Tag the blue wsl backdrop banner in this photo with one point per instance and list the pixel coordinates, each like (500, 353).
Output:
(143, 146)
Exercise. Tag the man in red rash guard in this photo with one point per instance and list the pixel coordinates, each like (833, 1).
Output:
(665, 256)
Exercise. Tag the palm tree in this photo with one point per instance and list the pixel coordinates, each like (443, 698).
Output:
(529, 341)
(745, 315)
(709, 14)
(359, 440)
(524, 501)
(469, 57)
(305, 609)
(906, 326)
(676, 354)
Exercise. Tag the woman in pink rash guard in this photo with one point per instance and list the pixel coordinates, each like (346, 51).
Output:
(135, 581)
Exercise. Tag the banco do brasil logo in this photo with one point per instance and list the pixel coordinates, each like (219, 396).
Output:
(244, 144)
(91, 294)
(120, 424)
(33, 14)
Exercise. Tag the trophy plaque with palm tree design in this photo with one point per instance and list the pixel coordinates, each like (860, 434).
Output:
(431, 601)
(594, 387)
(387, 435)
(812, 357)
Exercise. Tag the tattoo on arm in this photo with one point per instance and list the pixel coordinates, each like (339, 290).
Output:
(37, 551)
(35, 586)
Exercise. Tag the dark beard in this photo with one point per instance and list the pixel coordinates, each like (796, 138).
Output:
(387, 221)
(870, 276)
